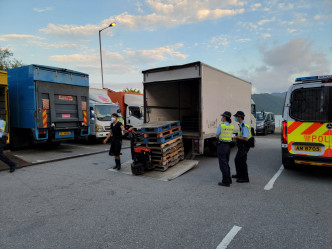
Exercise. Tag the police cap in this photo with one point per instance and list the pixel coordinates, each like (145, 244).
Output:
(239, 114)
(227, 114)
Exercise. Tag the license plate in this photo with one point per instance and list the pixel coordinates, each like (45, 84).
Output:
(64, 133)
(308, 148)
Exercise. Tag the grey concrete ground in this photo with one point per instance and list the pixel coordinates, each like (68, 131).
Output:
(43, 153)
(78, 203)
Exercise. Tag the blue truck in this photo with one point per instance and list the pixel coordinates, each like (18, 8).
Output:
(47, 104)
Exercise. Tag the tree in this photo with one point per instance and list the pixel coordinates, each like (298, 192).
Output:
(131, 90)
(6, 62)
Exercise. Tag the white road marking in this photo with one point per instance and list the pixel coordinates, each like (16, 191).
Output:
(269, 185)
(229, 237)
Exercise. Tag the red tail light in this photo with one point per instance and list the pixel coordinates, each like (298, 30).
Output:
(284, 132)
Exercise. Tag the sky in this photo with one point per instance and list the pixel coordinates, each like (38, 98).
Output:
(268, 43)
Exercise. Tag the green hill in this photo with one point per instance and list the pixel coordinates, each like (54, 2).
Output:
(269, 102)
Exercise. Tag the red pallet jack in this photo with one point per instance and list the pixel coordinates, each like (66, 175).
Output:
(142, 161)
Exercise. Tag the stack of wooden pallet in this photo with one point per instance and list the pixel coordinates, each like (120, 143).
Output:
(165, 141)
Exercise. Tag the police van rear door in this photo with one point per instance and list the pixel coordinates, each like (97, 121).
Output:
(310, 133)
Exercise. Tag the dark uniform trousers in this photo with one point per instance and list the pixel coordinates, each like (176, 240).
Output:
(224, 150)
(4, 158)
(241, 161)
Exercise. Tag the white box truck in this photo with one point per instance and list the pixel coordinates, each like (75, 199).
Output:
(195, 94)
(101, 109)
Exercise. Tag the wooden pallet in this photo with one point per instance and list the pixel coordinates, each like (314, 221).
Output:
(166, 158)
(159, 126)
(169, 164)
(160, 162)
(163, 139)
(162, 133)
(154, 145)
(167, 150)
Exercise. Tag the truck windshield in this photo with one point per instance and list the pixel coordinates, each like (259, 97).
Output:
(311, 104)
(136, 111)
(104, 112)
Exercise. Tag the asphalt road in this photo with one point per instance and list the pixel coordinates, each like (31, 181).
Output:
(78, 203)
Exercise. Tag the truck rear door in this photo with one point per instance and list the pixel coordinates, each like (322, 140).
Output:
(63, 105)
(310, 134)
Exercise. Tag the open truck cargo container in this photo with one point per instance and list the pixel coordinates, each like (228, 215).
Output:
(195, 94)
(47, 104)
(4, 101)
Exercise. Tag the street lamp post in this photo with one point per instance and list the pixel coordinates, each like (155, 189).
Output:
(101, 57)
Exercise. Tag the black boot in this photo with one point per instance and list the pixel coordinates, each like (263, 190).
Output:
(12, 168)
(118, 164)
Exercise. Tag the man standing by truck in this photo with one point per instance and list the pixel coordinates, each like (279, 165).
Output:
(243, 147)
(10, 163)
(224, 134)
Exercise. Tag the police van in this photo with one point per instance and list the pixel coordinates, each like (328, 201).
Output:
(307, 123)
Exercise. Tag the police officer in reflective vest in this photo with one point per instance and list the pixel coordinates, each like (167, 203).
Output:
(242, 143)
(10, 163)
(224, 134)
(120, 118)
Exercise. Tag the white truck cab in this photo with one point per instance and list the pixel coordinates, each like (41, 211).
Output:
(101, 109)
(134, 110)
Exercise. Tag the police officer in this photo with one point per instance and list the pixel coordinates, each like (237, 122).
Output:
(117, 130)
(242, 143)
(4, 158)
(224, 134)
(120, 118)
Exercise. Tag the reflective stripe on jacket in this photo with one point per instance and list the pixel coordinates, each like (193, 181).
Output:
(226, 132)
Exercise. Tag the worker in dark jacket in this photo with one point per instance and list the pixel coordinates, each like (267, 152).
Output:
(242, 143)
(224, 135)
(116, 132)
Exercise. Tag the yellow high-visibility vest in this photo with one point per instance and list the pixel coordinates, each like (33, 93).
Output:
(3, 127)
(120, 119)
(240, 130)
(226, 132)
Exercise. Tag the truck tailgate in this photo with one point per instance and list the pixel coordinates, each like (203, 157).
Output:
(61, 104)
